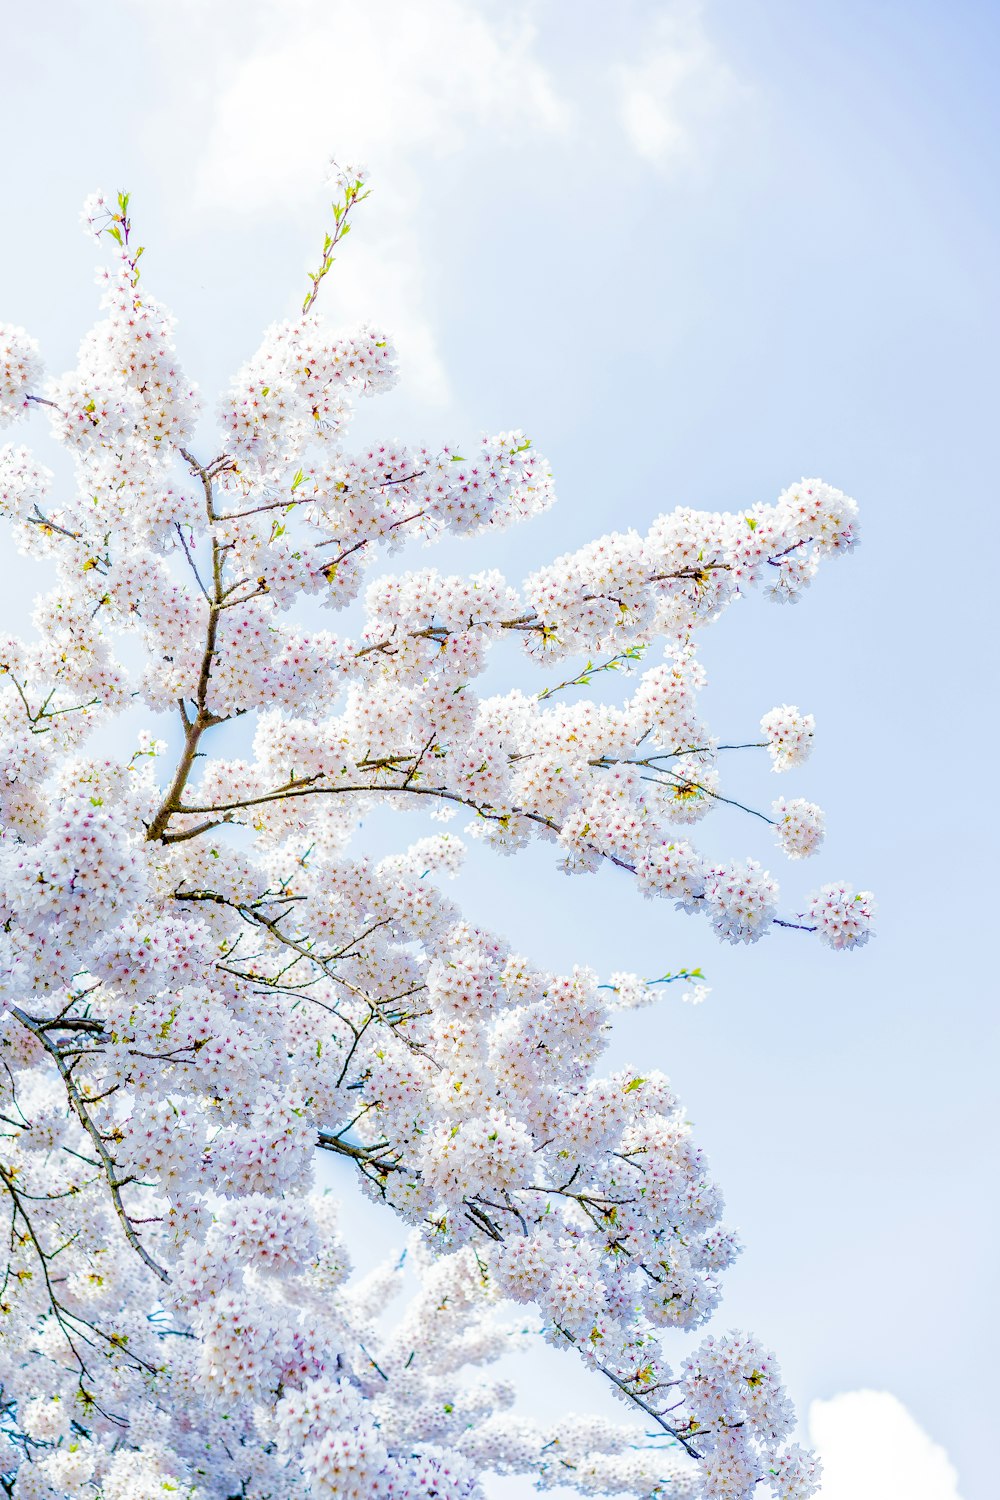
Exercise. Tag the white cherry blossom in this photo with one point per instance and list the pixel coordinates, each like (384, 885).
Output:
(207, 983)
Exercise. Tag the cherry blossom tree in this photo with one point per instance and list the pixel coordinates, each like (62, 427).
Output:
(206, 984)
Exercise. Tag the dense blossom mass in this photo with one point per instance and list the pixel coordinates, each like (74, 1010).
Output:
(206, 985)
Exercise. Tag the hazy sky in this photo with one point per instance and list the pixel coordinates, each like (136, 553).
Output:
(696, 251)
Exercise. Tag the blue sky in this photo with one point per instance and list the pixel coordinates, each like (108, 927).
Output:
(696, 252)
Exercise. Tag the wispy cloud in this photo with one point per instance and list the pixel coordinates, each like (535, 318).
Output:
(389, 83)
(873, 1449)
(673, 98)
(257, 96)
(389, 79)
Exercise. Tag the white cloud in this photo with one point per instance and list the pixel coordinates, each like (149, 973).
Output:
(672, 99)
(873, 1449)
(258, 95)
(395, 84)
(388, 80)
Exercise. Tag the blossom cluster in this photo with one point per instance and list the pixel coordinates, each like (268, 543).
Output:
(206, 985)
